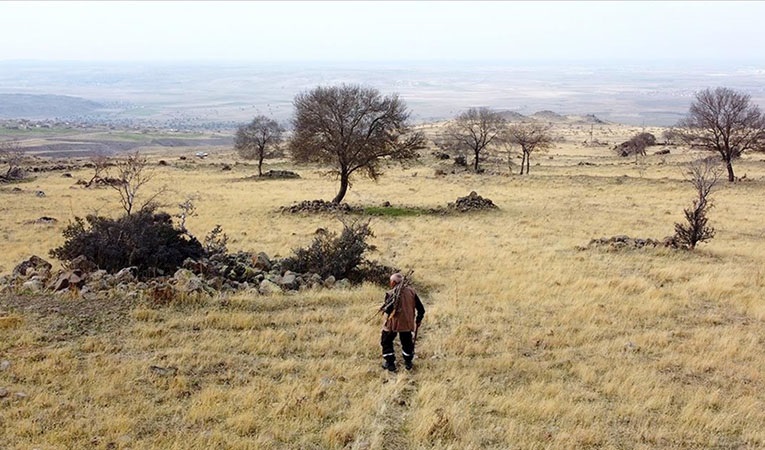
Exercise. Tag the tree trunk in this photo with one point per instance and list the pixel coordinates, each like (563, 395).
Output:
(528, 163)
(343, 188)
(260, 166)
(523, 163)
(729, 166)
(475, 163)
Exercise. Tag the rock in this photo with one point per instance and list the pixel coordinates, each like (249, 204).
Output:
(35, 263)
(20, 395)
(268, 287)
(125, 275)
(40, 193)
(329, 281)
(5, 365)
(67, 279)
(187, 282)
(83, 264)
(345, 283)
(45, 220)
(3, 392)
(288, 280)
(262, 262)
(34, 286)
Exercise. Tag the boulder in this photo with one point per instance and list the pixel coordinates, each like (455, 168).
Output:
(83, 264)
(345, 283)
(125, 275)
(329, 281)
(33, 265)
(268, 287)
(288, 280)
(262, 262)
(185, 281)
(34, 286)
(68, 279)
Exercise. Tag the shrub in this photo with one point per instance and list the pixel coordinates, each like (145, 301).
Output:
(703, 174)
(146, 240)
(329, 254)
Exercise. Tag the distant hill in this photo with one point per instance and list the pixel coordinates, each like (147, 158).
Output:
(45, 106)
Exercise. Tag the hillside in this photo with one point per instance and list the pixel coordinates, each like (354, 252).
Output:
(533, 338)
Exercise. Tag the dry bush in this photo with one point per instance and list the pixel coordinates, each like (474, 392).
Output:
(145, 240)
(340, 256)
(703, 174)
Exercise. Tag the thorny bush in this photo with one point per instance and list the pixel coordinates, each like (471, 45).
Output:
(340, 256)
(145, 240)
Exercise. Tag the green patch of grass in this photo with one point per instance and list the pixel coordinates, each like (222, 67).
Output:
(395, 211)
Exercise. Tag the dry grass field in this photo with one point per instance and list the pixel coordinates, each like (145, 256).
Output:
(529, 341)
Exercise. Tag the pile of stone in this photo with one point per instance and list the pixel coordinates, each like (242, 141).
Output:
(280, 174)
(256, 274)
(623, 242)
(472, 202)
(320, 206)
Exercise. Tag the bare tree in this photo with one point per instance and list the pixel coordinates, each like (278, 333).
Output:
(703, 174)
(133, 174)
(724, 121)
(352, 128)
(100, 164)
(258, 140)
(530, 137)
(476, 129)
(12, 155)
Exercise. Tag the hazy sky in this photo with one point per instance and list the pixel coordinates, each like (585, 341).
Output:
(368, 31)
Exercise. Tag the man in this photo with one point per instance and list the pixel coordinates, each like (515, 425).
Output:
(401, 303)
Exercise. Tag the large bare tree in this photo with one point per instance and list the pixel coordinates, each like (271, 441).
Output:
(724, 121)
(530, 137)
(351, 128)
(476, 129)
(258, 139)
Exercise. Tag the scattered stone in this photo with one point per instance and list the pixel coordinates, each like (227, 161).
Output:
(83, 264)
(5, 365)
(33, 286)
(320, 206)
(45, 220)
(226, 167)
(40, 193)
(33, 265)
(263, 262)
(625, 242)
(186, 282)
(67, 175)
(68, 279)
(280, 174)
(345, 283)
(268, 287)
(20, 395)
(329, 281)
(472, 202)
(125, 275)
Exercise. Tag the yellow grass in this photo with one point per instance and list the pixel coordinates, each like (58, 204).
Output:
(529, 342)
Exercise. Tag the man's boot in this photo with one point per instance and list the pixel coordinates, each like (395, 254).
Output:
(390, 363)
(408, 364)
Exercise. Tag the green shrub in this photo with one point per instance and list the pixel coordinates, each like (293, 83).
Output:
(330, 254)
